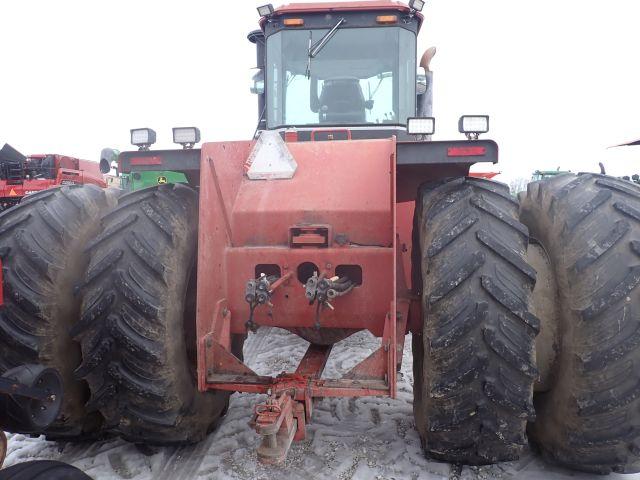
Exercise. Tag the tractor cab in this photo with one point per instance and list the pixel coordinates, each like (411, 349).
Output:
(348, 68)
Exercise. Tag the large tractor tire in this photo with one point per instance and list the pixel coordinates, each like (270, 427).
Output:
(137, 327)
(474, 364)
(589, 416)
(41, 248)
(43, 470)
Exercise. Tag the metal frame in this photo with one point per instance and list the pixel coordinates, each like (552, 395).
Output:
(226, 259)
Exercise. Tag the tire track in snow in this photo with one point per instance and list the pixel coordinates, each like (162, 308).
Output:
(184, 462)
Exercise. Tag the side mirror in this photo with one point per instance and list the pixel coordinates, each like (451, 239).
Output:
(107, 157)
(256, 85)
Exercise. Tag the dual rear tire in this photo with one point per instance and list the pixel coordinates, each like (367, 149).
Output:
(589, 412)
(109, 302)
(42, 251)
(475, 365)
(137, 324)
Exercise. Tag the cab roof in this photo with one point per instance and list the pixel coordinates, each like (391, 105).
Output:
(366, 5)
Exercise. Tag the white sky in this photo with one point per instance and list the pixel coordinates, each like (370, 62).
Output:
(560, 78)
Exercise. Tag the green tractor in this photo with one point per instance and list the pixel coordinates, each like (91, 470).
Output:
(547, 174)
(130, 182)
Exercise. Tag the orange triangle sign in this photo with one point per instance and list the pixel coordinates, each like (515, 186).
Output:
(13, 193)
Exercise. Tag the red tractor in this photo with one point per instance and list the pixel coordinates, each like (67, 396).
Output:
(21, 175)
(341, 215)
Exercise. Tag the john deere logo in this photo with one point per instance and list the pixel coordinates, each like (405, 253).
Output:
(162, 180)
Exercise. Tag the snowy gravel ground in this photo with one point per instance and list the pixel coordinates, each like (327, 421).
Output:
(359, 439)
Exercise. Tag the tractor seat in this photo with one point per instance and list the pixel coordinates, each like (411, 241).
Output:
(342, 101)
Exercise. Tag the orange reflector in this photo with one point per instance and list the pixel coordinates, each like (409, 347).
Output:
(294, 22)
(290, 136)
(387, 19)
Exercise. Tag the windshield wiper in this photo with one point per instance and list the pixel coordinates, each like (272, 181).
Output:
(317, 47)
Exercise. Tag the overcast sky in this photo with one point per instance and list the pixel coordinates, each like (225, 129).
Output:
(560, 78)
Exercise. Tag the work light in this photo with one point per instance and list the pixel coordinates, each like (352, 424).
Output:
(143, 138)
(416, 5)
(186, 136)
(421, 126)
(265, 10)
(473, 125)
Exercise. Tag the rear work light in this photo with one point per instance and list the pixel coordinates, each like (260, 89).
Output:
(421, 126)
(186, 136)
(473, 125)
(416, 5)
(265, 10)
(143, 138)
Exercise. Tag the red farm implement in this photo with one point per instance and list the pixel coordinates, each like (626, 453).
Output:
(21, 176)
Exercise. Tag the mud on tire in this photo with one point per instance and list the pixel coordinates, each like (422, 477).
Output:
(137, 327)
(474, 364)
(41, 243)
(589, 419)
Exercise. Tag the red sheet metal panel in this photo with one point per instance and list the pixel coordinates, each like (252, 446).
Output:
(342, 184)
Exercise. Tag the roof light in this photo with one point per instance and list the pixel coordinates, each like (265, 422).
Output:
(421, 126)
(416, 5)
(143, 138)
(473, 125)
(265, 10)
(186, 136)
(387, 19)
(293, 22)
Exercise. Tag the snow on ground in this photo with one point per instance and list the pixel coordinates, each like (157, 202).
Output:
(350, 439)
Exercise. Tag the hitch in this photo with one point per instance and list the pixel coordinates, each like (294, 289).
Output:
(280, 421)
